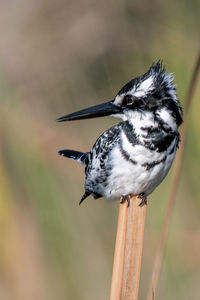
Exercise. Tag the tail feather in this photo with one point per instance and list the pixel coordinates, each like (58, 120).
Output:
(76, 155)
(86, 194)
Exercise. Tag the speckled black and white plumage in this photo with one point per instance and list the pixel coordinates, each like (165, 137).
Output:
(135, 155)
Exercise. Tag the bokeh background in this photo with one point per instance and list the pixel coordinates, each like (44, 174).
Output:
(56, 57)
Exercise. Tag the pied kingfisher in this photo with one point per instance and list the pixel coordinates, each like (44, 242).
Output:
(135, 155)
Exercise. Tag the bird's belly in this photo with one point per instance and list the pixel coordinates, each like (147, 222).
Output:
(143, 173)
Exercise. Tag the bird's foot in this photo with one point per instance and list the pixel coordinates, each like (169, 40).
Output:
(143, 198)
(124, 199)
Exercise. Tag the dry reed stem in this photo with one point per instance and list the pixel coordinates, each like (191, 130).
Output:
(174, 188)
(128, 251)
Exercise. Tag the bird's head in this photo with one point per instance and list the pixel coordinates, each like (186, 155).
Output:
(152, 92)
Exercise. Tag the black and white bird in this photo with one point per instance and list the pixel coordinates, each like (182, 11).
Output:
(135, 155)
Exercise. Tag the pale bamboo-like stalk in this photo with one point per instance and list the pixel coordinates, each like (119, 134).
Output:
(174, 188)
(128, 251)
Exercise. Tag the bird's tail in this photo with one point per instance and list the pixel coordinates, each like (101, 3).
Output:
(76, 155)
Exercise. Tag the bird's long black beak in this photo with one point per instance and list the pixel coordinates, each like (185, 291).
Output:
(96, 111)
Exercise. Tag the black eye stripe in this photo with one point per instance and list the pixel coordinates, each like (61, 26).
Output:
(128, 99)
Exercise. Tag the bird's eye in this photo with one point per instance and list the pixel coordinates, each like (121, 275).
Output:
(128, 100)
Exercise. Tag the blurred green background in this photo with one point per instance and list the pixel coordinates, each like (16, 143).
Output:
(57, 57)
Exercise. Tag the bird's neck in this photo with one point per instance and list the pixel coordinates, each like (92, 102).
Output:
(148, 130)
(160, 119)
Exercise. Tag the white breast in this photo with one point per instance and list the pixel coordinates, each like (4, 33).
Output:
(128, 178)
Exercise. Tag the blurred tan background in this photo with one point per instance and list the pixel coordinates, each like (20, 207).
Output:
(57, 57)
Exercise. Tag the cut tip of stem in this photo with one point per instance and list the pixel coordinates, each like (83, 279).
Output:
(128, 250)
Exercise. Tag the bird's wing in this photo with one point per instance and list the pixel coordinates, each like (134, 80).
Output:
(97, 158)
(106, 142)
